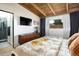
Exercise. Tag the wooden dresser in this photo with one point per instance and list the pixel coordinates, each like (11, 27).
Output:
(28, 37)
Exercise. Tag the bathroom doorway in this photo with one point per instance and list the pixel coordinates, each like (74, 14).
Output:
(6, 29)
(3, 29)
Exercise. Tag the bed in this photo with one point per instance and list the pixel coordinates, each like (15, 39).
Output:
(44, 46)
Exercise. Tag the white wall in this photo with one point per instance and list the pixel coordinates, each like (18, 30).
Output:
(19, 11)
(64, 32)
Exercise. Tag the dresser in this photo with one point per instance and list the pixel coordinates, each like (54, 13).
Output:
(27, 37)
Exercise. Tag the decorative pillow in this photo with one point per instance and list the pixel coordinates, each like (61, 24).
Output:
(39, 41)
(36, 42)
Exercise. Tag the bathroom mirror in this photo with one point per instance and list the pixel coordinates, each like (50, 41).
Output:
(6, 29)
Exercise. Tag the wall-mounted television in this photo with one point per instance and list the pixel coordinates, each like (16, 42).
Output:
(25, 21)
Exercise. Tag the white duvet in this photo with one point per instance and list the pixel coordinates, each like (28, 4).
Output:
(50, 47)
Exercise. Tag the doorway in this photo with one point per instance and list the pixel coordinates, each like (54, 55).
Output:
(3, 29)
(6, 28)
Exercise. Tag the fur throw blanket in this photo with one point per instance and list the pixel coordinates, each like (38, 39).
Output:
(73, 44)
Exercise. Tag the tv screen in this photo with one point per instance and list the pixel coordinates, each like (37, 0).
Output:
(25, 21)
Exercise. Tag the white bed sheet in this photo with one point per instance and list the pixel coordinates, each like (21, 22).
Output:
(52, 47)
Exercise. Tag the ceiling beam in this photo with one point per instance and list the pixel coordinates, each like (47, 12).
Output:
(50, 7)
(67, 7)
(38, 9)
(26, 6)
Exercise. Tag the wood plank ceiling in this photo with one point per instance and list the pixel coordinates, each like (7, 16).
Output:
(51, 9)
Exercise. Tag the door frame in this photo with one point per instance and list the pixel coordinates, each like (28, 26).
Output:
(12, 25)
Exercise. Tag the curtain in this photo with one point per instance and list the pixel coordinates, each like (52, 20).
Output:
(74, 22)
(42, 27)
